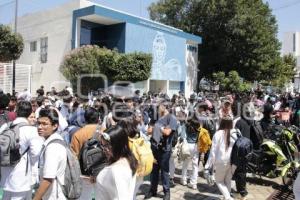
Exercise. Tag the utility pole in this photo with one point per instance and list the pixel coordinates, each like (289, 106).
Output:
(14, 61)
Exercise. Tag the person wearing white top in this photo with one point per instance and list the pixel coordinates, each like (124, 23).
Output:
(53, 158)
(219, 156)
(17, 180)
(117, 180)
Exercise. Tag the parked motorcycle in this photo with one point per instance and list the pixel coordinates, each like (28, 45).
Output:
(275, 158)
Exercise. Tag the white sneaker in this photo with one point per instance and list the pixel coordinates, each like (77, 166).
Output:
(193, 186)
(183, 182)
(244, 198)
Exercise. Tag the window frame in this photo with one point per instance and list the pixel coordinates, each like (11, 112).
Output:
(44, 49)
(33, 46)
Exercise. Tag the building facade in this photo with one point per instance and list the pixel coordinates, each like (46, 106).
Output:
(291, 45)
(51, 34)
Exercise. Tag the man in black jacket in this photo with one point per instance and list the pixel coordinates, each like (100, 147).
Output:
(243, 124)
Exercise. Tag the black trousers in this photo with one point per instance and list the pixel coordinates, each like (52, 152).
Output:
(240, 179)
(160, 168)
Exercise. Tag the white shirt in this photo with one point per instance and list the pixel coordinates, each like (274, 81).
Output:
(15, 179)
(52, 165)
(218, 153)
(115, 182)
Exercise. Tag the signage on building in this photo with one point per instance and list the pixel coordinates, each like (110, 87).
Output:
(192, 48)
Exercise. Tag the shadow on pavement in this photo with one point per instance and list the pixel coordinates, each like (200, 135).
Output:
(198, 196)
(262, 182)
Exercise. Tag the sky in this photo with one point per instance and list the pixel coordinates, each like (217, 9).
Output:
(287, 12)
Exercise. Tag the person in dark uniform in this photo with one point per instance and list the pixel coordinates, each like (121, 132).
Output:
(161, 145)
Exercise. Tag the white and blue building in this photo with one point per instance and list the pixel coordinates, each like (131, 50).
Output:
(51, 34)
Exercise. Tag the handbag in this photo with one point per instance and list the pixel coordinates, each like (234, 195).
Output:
(185, 150)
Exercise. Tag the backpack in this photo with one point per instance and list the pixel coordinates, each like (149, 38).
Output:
(68, 133)
(143, 153)
(210, 126)
(175, 138)
(3, 118)
(204, 140)
(242, 147)
(256, 133)
(72, 187)
(92, 157)
(9, 144)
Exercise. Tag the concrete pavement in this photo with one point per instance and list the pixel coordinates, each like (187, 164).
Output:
(259, 189)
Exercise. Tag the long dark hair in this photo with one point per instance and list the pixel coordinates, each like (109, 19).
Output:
(120, 148)
(129, 127)
(226, 125)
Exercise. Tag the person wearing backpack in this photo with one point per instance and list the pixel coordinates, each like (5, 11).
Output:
(243, 124)
(4, 100)
(191, 137)
(220, 154)
(79, 139)
(207, 122)
(53, 159)
(18, 167)
(118, 179)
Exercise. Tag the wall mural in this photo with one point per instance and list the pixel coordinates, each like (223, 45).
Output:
(168, 51)
(160, 68)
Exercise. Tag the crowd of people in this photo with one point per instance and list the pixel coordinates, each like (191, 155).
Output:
(112, 119)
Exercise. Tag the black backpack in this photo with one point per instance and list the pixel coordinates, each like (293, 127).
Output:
(92, 157)
(210, 125)
(241, 149)
(3, 117)
(175, 138)
(256, 133)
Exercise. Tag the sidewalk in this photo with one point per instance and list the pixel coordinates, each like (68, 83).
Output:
(259, 189)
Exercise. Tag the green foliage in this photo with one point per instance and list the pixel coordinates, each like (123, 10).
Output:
(232, 82)
(79, 61)
(133, 67)
(286, 72)
(11, 44)
(117, 67)
(237, 34)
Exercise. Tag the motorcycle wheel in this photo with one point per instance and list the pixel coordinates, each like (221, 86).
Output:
(289, 178)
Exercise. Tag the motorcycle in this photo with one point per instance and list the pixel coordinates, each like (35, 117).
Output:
(276, 156)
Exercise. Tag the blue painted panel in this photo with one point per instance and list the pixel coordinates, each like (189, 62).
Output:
(168, 51)
(101, 11)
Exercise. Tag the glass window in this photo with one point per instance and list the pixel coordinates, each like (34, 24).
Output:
(33, 46)
(44, 49)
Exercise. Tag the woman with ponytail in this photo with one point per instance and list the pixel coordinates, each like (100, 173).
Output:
(220, 153)
(117, 180)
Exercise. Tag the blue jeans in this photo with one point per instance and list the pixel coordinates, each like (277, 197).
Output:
(162, 166)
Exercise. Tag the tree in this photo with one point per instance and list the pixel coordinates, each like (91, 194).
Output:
(11, 44)
(237, 34)
(232, 82)
(92, 59)
(286, 72)
(132, 67)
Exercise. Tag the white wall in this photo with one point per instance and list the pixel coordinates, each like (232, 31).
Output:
(56, 24)
(192, 68)
(288, 48)
(287, 44)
